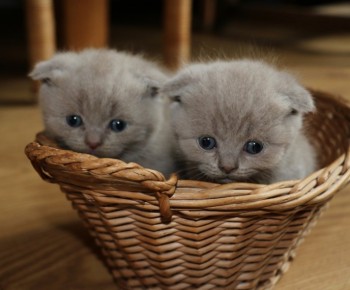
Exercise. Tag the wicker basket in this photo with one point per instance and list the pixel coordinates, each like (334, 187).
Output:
(178, 234)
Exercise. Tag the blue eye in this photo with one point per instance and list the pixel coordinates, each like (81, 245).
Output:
(117, 125)
(207, 142)
(253, 147)
(74, 121)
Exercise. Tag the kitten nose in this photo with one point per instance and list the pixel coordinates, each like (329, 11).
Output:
(227, 168)
(93, 145)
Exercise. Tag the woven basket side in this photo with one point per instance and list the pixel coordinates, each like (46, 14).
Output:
(329, 129)
(89, 215)
(232, 236)
(234, 253)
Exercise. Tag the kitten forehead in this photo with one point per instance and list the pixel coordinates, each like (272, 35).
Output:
(236, 86)
(247, 78)
(239, 84)
(99, 66)
(113, 71)
(234, 100)
(100, 84)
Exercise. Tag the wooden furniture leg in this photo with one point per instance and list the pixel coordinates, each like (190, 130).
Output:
(209, 13)
(40, 31)
(85, 23)
(177, 32)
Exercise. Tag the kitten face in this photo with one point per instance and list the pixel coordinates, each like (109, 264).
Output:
(106, 127)
(100, 102)
(234, 121)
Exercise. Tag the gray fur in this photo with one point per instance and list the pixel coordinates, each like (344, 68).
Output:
(100, 85)
(237, 101)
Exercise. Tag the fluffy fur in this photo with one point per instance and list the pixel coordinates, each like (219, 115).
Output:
(235, 102)
(100, 86)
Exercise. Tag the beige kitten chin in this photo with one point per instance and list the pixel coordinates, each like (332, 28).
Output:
(239, 175)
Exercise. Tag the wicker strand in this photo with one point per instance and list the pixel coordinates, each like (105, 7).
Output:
(184, 234)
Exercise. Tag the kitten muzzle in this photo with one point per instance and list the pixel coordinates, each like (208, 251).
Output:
(93, 145)
(227, 169)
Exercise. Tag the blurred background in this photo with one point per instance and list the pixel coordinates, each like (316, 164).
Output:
(306, 34)
(41, 238)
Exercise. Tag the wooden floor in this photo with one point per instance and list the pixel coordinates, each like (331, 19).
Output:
(43, 245)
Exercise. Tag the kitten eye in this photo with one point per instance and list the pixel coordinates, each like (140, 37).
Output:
(253, 147)
(207, 142)
(117, 125)
(74, 121)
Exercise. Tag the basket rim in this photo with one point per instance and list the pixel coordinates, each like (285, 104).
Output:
(318, 187)
(88, 166)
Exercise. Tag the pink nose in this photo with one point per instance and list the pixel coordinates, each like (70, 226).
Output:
(93, 145)
(227, 169)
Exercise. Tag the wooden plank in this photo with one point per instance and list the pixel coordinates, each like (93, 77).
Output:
(177, 32)
(209, 14)
(40, 31)
(85, 23)
(42, 239)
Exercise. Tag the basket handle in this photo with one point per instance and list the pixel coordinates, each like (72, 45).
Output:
(163, 191)
(46, 177)
(35, 158)
(164, 207)
(162, 188)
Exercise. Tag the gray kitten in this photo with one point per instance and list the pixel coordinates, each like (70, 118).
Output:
(240, 121)
(106, 103)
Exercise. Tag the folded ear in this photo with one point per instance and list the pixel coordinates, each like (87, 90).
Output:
(175, 87)
(152, 86)
(50, 70)
(151, 80)
(300, 98)
(152, 91)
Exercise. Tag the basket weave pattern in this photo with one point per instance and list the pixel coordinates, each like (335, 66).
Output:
(182, 234)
